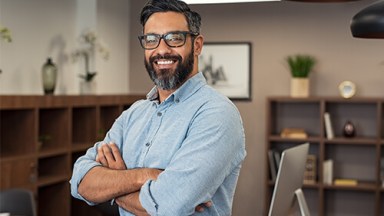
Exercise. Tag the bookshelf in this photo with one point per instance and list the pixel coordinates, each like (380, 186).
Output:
(42, 136)
(355, 158)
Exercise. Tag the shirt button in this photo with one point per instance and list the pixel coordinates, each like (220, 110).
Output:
(177, 100)
(159, 114)
(147, 144)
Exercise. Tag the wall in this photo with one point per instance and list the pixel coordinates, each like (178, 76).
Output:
(50, 28)
(278, 29)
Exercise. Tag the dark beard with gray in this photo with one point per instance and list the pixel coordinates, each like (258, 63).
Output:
(168, 79)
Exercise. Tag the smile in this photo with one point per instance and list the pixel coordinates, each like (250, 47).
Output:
(165, 62)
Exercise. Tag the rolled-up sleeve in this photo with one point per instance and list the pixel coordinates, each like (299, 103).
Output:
(81, 167)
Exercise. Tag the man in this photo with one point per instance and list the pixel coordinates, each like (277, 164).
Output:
(178, 152)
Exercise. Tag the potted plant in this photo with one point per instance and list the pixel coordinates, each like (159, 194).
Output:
(300, 67)
(90, 45)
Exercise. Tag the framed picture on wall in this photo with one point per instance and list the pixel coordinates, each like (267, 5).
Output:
(227, 68)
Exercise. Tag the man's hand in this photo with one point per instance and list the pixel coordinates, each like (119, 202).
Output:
(109, 156)
(200, 208)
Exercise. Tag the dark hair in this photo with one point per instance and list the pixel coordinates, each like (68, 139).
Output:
(154, 6)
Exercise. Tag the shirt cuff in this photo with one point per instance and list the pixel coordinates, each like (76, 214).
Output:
(76, 179)
(147, 200)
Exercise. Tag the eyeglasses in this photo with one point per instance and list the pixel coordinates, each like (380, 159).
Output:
(172, 39)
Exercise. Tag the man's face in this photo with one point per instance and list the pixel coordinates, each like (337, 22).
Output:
(169, 67)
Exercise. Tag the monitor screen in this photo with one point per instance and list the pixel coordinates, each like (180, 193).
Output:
(289, 181)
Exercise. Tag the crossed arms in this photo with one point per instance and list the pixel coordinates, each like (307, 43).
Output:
(113, 180)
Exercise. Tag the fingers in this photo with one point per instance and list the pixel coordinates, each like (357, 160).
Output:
(108, 152)
(106, 155)
(109, 156)
(115, 152)
(208, 204)
(200, 208)
(101, 157)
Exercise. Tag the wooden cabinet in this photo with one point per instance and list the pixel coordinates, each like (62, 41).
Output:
(355, 158)
(42, 136)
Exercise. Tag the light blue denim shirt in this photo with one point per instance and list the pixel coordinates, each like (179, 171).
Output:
(196, 135)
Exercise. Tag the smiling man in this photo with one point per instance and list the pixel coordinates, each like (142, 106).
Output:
(179, 152)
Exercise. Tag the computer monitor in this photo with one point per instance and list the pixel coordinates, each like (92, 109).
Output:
(289, 181)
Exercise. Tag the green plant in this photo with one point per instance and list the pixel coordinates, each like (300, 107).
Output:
(5, 34)
(300, 65)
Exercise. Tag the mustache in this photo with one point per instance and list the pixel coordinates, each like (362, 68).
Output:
(166, 56)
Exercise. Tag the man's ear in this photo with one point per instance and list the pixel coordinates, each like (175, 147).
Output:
(199, 41)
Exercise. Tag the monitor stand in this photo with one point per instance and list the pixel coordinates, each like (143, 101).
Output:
(302, 203)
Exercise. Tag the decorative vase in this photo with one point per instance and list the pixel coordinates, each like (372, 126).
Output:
(299, 87)
(49, 76)
(87, 87)
(349, 129)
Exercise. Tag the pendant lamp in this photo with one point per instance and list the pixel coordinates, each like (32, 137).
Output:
(369, 22)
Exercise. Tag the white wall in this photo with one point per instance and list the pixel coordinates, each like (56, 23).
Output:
(50, 28)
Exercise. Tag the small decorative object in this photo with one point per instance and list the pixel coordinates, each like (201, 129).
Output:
(310, 170)
(347, 89)
(91, 44)
(349, 129)
(300, 67)
(49, 75)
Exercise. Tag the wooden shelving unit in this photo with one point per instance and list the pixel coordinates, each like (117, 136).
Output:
(354, 158)
(42, 136)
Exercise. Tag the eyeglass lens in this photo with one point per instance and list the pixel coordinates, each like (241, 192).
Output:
(172, 39)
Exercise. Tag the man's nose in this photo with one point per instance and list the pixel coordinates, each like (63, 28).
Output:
(163, 47)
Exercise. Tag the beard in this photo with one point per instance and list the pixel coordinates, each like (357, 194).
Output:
(170, 79)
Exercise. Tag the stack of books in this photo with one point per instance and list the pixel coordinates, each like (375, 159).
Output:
(294, 133)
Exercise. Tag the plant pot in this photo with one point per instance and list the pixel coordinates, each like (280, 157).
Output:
(88, 87)
(299, 87)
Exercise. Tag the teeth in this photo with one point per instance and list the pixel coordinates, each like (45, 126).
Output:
(164, 62)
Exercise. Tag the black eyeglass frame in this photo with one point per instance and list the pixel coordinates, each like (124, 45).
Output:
(184, 33)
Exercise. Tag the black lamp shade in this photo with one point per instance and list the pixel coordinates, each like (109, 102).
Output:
(369, 22)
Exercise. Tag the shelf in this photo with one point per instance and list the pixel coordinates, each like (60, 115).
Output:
(52, 152)
(283, 139)
(353, 158)
(42, 136)
(361, 186)
(352, 141)
(50, 180)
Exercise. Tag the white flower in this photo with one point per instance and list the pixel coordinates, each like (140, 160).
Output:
(90, 44)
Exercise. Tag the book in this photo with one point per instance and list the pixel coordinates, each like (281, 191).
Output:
(328, 126)
(296, 133)
(310, 170)
(345, 182)
(328, 171)
(382, 171)
(272, 166)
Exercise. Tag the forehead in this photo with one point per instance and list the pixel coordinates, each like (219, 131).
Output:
(163, 22)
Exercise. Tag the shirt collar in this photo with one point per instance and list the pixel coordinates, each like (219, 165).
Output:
(187, 89)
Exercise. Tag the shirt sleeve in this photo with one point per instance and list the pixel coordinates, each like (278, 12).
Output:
(213, 148)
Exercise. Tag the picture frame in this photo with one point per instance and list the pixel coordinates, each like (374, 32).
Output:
(227, 68)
